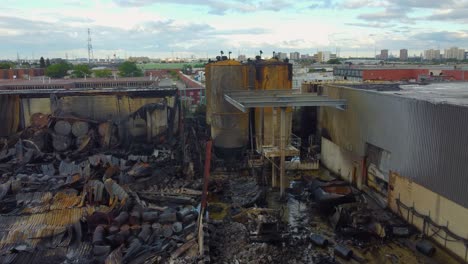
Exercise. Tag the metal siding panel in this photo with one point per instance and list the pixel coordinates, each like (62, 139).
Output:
(427, 141)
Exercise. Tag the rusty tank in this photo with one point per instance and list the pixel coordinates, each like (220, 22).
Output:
(272, 75)
(229, 126)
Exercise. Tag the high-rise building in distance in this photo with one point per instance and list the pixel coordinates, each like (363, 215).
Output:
(403, 54)
(432, 54)
(454, 53)
(294, 55)
(282, 55)
(324, 56)
(384, 54)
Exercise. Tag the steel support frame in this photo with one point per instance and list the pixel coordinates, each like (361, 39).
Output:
(282, 150)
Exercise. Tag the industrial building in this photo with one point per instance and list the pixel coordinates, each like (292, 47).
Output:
(407, 146)
(118, 171)
(401, 73)
(20, 73)
(45, 83)
(403, 146)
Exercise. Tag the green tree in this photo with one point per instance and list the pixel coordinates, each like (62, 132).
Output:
(129, 69)
(81, 70)
(58, 70)
(174, 74)
(104, 73)
(42, 62)
(47, 62)
(334, 61)
(5, 65)
(187, 69)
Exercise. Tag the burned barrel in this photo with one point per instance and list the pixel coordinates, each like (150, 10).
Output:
(343, 251)
(319, 240)
(79, 128)
(425, 247)
(61, 142)
(62, 127)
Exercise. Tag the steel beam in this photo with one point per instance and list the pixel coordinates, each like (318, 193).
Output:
(244, 102)
(235, 103)
(282, 149)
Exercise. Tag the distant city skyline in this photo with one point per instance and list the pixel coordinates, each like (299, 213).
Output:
(176, 28)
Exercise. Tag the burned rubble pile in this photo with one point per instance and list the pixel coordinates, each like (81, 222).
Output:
(321, 222)
(248, 233)
(70, 193)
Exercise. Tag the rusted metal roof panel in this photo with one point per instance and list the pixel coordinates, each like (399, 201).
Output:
(43, 227)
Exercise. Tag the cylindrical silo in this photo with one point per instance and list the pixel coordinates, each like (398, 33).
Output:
(229, 126)
(273, 75)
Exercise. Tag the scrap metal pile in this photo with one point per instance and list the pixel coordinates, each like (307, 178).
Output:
(69, 193)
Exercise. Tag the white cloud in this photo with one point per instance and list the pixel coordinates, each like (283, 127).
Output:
(207, 26)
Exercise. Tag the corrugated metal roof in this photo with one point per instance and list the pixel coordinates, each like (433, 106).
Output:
(43, 228)
(455, 93)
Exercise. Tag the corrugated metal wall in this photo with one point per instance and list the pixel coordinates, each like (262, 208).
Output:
(428, 142)
(103, 107)
(9, 114)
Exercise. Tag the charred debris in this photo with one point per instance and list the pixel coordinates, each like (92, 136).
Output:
(78, 190)
(139, 189)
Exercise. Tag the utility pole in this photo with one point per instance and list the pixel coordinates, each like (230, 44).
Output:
(90, 47)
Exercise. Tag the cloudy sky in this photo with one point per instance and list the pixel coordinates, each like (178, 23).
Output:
(201, 28)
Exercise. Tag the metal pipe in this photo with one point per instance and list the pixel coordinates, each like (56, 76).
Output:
(273, 173)
(251, 123)
(282, 149)
(273, 126)
(209, 144)
(262, 124)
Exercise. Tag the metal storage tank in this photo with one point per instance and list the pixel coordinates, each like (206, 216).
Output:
(229, 126)
(273, 75)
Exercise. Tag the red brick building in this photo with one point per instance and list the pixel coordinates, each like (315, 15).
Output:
(400, 74)
(20, 73)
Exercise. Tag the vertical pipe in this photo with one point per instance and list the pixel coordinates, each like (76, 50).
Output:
(206, 173)
(282, 149)
(206, 178)
(251, 124)
(149, 127)
(262, 124)
(273, 126)
(273, 173)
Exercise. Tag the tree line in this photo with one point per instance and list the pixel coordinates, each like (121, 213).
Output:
(58, 68)
(62, 68)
